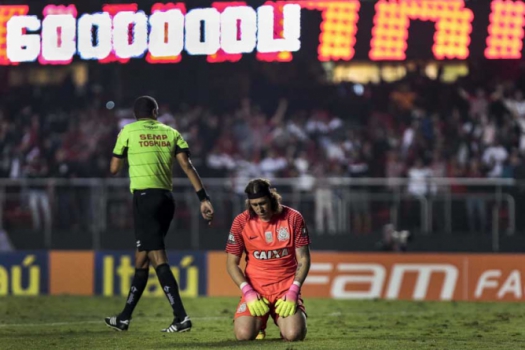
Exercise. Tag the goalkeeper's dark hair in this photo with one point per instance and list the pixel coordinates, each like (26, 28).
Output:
(145, 107)
(259, 188)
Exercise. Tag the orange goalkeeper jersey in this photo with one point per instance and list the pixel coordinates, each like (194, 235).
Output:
(269, 247)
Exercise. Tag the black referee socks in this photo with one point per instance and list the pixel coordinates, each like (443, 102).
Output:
(171, 289)
(135, 292)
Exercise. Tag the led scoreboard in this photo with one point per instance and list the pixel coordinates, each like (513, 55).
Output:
(273, 31)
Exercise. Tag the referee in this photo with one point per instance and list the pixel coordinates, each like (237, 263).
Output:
(150, 147)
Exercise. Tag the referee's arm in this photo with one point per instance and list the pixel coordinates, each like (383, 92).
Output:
(188, 168)
(116, 165)
(120, 152)
(193, 176)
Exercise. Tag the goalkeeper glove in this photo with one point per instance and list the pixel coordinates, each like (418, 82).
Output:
(287, 305)
(257, 305)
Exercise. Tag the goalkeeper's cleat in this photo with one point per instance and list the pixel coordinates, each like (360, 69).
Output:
(117, 323)
(261, 335)
(179, 326)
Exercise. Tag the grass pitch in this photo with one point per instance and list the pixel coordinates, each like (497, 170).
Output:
(77, 323)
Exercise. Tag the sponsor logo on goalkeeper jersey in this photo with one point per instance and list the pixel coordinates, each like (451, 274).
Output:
(270, 254)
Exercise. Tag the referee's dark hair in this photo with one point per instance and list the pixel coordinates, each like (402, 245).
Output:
(263, 186)
(145, 107)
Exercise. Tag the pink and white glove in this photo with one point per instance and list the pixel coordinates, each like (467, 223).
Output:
(287, 305)
(257, 305)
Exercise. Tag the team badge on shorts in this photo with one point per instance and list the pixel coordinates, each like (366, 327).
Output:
(269, 237)
(241, 308)
(283, 234)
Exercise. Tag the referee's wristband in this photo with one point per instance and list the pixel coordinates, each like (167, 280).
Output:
(202, 195)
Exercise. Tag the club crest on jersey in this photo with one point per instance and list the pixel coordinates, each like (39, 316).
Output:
(270, 254)
(283, 234)
(231, 238)
(241, 308)
(269, 237)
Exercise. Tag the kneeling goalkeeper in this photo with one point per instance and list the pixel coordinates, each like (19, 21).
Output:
(275, 240)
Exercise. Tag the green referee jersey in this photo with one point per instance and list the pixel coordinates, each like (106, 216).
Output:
(150, 147)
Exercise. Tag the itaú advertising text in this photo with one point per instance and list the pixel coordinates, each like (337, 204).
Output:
(122, 32)
(417, 277)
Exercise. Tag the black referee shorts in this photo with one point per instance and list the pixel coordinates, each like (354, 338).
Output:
(153, 211)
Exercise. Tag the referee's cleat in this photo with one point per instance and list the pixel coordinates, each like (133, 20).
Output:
(179, 327)
(116, 323)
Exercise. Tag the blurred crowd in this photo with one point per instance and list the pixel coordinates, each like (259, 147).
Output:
(410, 128)
(414, 128)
